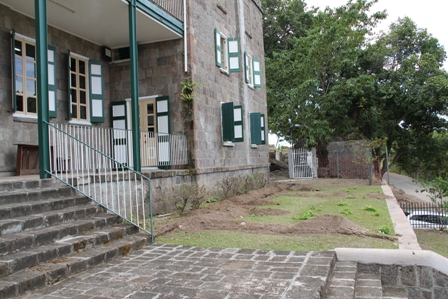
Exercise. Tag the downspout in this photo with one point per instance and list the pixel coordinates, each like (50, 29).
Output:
(133, 49)
(40, 8)
(185, 38)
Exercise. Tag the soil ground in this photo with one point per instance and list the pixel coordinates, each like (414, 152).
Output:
(222, 216)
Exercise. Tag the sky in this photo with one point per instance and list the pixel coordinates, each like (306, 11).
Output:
(428, 14)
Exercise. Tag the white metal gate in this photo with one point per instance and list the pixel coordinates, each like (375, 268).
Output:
(302, 163)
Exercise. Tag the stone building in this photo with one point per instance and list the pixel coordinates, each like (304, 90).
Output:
(118, 66)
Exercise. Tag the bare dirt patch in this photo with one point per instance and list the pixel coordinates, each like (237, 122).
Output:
(228, 215)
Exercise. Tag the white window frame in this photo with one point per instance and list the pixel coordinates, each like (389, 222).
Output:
(249, 70)
(78, 120)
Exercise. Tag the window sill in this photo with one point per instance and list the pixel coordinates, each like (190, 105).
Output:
(228, 144)
(254, 146)
(24, 118)
(225, 72)
(80, 122)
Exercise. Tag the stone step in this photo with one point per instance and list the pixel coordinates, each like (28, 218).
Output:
(24, 240)
(50, 218)
(368, 285)
(15, 210)
(14, 262)
(342, 280)
(395, 293)
(21, 196)
(49, 273)
(26, 183)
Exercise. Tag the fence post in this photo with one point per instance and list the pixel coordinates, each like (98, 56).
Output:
(337, 163)
(387, 165)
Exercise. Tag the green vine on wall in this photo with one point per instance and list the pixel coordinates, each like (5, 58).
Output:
(187, 95)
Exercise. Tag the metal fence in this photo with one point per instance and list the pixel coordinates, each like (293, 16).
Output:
(426, 215)
(98, 176)
(157, 149)
(302, 163)
(174, 7)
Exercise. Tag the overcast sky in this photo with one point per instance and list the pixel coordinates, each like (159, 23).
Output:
(429, 14)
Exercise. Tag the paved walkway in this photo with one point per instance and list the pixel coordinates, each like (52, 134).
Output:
(189, 272)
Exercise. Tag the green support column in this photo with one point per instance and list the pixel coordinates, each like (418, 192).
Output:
(133, 47)
(42, 85)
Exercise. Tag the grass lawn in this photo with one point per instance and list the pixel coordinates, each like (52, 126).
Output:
(434, 240)
(359, 204)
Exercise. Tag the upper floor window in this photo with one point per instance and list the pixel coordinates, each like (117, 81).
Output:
(227, 52)
(252, 69)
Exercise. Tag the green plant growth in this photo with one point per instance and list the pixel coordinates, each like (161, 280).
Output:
(187, 95)
(437, 189)
(346, 212)
(384, 229)
(342, 204)
(369, 209)
(188, 195)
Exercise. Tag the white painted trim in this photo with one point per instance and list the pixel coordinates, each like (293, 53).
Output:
(79, 56)
(23, 37)
(185, 38)
(80, 122)
(22, 115)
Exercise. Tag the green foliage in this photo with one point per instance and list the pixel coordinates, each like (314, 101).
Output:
(437, 189)
(188, 194)
(384, 229)
(342, 204)
(187, 95)
(307, 215)
(346, 212)
(369, 209)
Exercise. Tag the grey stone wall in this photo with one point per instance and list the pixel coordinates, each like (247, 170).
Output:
(233, 19)
(419, 281)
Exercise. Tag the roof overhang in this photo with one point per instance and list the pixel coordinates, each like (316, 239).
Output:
(105, 22)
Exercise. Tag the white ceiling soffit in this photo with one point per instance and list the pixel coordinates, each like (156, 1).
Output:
(103, 22)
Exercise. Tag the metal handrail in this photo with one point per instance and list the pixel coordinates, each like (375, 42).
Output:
(174, 7)
(108, 182)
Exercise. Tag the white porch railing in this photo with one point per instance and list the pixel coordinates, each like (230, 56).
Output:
(87, 166)
(156, 149)
(174, 7)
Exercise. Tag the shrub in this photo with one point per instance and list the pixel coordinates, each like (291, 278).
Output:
(236, 185)
(369, 209)
(307, 215)
(342, 204)
(188, 194)
(384, 229)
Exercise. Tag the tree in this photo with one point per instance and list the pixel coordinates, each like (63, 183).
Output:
(304, 83)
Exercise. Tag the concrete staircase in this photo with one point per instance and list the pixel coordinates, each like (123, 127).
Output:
(48, 233)
(351, 280)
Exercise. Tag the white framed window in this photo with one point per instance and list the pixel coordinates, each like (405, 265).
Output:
(252, 71)
(25, 77)
(24, 74)
(232, 123)
(79, 88)
(227, 52)
(86, 100)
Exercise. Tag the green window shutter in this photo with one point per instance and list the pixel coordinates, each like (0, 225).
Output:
(227, 119)
(96, 92)
(238, 123)
(255, 128)
(257, 72)
(69, 87)
(120, 135)
(163, 132)
(246, 67)
(233, 49)
(263, 129)
(52, 109)
(218, 47)
(13, 69)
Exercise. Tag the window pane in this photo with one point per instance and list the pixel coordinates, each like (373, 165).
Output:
(150, 109)
(83, 112)
(82, 82)
(19, 67)
(74, 98)
(30, 51)
(18, 48)
(19, 85)
(73, 83)
(73, 65)
(19, 103)
(150, 120)
(82, 67)
(30, 69)
(30, 87)
(74, 111)
(82, 97)
(31, 105)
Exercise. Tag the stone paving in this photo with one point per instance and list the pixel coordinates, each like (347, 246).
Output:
(165, 271)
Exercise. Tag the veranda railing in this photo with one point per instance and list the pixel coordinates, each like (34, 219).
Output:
(88, 167)
(174, 7)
